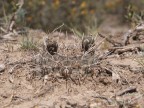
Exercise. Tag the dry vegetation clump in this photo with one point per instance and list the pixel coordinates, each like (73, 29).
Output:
(63, 63)
(63, 70)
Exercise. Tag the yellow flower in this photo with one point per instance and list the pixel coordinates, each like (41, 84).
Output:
(30, 3)
(73, 11)
(43, 2)
(112, 4)
(56, 4)
(92, 11)
(83, 5)
(83, 12)
(29, 19)
(73, 1)
(109, 4)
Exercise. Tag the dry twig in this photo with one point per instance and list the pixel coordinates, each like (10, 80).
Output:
(127, 90)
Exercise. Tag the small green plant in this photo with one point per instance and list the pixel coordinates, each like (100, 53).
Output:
(28, 44)
(77, 32)
(134, 16)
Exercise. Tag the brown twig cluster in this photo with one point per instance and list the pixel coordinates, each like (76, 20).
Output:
(71, 65)
(10, 30)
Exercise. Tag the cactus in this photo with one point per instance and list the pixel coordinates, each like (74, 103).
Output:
(51, 46)
(87, 42)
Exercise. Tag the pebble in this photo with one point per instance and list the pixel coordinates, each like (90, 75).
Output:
(2, 68)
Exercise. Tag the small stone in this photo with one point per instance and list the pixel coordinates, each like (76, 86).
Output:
(72, 103)
(83, 105)
(68, 106)
(93, 105)
(2, 68)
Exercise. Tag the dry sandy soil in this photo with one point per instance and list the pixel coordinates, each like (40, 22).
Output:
(117, 82)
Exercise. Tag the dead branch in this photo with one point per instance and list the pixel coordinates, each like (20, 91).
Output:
(58, 27)
(140, 27)
(3, 30)
(114, 43)
(104, 98)
(127, 37)
(129, 34)
(123, 50)
(129, 48)
(14, 16)
(108, 71)
(105, 55)
(13, 68)
(127, 90)
(42, 92)
(11, 27)
(19, 62)
(8, 36)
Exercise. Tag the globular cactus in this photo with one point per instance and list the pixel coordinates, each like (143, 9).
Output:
(51, 46)
(87, 42)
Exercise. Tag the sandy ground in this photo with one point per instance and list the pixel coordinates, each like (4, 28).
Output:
(20, 89)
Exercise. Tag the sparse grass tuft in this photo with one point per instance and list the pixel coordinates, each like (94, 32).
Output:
(28, 44)
(90, 28)
(77, 32)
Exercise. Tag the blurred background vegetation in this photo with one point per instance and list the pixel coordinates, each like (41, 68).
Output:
(49, 14)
